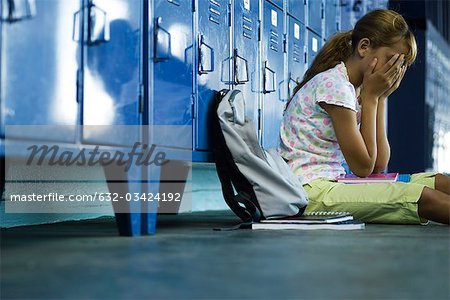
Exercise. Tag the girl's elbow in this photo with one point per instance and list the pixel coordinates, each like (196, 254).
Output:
(363, 170)
(362, 173)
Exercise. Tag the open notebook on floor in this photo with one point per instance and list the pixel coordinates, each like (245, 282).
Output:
(346, 225)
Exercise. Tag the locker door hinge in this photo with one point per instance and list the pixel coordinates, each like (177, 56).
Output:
(285, 43)
(141, 98)
(193, 6)
(229, 15)
(79, 89)
(259, 119)
(305, 54)
(193, 107)
(259, 30)
(322, 10)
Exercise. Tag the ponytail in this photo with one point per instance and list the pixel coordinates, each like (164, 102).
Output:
(337, 49)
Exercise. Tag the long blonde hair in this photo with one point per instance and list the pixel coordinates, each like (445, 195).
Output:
(382, 27)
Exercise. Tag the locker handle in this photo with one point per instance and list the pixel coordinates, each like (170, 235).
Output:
(238, 69)
(98, 25)
(357, 6)
(266, 75)
(206, 57)
(76, 26)
(162, 42)
(294, 83)
(18, 10)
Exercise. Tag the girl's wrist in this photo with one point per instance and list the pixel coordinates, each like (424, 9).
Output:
(369, 98)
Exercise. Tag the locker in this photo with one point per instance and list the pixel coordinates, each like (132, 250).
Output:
(296, 8)
(351, 12)
(112, 72)
(171, 71)
(296, 53)
(314, 43)
(39, 64)
(272, 74)
(213, 73)
(332, 18)
(246, 75)
(315, 16)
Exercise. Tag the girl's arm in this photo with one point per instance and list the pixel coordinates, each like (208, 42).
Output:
(383, 148)
(358, 146)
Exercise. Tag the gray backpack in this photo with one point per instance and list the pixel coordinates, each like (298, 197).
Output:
(256, 184)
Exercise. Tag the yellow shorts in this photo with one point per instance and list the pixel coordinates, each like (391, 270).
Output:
(394, 203)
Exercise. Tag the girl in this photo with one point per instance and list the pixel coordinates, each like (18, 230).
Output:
(338, 114)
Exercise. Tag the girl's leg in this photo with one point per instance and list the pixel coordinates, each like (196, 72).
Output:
(434, 205)
(442, 184)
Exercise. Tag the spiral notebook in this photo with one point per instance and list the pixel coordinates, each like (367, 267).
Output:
(315, 217)
(312, 221)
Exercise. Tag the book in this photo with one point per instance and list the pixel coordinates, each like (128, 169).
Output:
(346, 225)
(373, 178)
(318, 217)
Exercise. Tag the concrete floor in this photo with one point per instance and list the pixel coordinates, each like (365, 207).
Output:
(187, 259)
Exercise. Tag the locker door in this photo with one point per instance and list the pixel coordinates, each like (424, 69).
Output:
(351, 11)
(272, 73)
(39, 63)
(313, 46)
(171, 75)
(297, 9)
(111, 68)
(212, 66)
(296, 53)
(245, 62)
(315, 16)
(332, 18)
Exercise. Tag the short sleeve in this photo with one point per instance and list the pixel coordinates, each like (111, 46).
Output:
(333, 89)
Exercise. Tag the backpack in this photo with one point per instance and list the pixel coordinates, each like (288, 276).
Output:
(256, 184)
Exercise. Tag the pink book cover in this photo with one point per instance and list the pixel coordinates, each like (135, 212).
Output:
(381, 177)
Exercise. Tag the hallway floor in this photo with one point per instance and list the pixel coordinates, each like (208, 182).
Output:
(187, 259)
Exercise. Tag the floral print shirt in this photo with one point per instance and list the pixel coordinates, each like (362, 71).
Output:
(307, 137)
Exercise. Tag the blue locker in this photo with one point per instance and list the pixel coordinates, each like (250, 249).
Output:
(297, 9)
(314, 43)
(296, 53)
(246, 74)
(171, 75)
(213, 65)
(39, 64)
(272, 74)
(351, 12)
(332, 17)
(315, 16)
(112, 67)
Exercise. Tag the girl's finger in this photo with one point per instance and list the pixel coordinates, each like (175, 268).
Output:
(387, 66)
(392, 76)
(396, 67)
